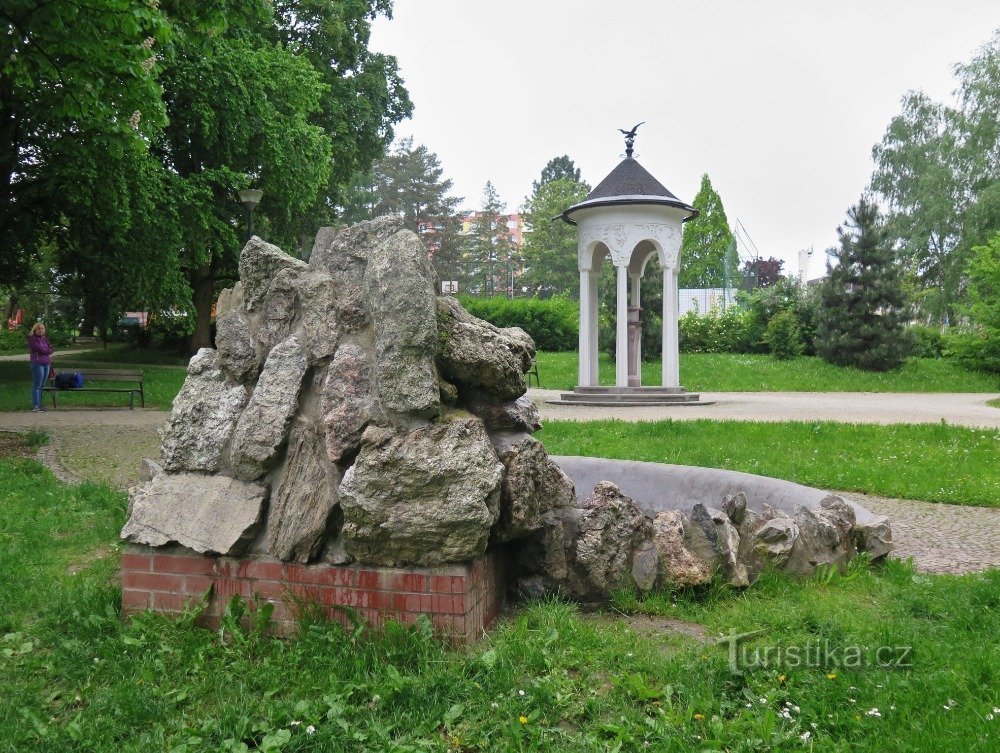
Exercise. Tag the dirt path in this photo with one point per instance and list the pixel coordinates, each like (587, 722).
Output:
(958, 408)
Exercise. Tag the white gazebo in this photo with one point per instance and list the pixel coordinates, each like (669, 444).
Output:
(632, 218)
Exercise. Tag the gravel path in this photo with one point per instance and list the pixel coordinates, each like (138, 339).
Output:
(108, 445)
(958, 408)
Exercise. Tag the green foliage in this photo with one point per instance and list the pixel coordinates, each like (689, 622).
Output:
(553, 323)
(490, 254)
(408, 183)
(550, 249)
(783, 336)
(558, 168)
(928, 341)
(784, 295)
(707, 240)
(729, 331)
(75, 79)
(938, 170)
(979, 345)
(864, 311)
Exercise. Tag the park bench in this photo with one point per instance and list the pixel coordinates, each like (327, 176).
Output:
(108, 375)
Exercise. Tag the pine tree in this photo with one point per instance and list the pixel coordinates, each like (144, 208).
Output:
(707, 239)
(863, 309)
(490, 251)
(555, 169)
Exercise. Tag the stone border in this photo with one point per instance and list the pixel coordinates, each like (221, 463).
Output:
(460, 600)
(48, 455)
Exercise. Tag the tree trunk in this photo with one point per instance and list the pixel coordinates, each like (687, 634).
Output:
(203, 284)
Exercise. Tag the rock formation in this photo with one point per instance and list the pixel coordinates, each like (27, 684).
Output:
(351, 414)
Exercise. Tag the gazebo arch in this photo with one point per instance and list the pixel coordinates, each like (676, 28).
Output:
(633, 217)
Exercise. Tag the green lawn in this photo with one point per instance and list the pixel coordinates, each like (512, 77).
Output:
(994, 403)
(929, 462)
(547, 678)
(729, 372)
(162, 383)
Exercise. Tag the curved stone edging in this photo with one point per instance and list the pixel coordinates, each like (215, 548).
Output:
(48, 455)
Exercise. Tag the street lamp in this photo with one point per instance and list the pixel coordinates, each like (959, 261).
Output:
(250, 198)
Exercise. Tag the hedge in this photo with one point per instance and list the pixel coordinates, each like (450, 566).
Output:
(552, 322)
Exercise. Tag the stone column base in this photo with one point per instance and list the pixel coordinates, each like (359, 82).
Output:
(460, 600)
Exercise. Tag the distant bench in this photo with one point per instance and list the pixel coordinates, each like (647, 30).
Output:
(109, 375)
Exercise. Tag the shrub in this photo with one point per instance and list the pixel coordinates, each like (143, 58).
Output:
(13, 340)
(783, 335)
(928, 342)
(553, 323)
(979, 346)
(731, 331)
(171, 331)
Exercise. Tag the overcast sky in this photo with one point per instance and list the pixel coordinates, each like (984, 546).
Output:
(779, 102)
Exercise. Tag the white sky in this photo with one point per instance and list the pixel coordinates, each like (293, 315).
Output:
(779, 102)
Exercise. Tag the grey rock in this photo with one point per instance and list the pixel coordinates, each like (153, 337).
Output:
(275, 314)
(343, 254)
(203, 417)
(348, 402)
(543, 553)
(532, 486)
(752, 560)
(303, 499)
(149, 469)
(399, 298)
(237, 356)
(477, 354)
(875, 537)
(604, 540)
(519, 415)
(424, 497)
(260, 263)
(679, 564)
(317, 314)
(820, 542)
(735, 507)
(775, 538)
(725, 540)
(210, 514)
(230, 299)
(263, 426)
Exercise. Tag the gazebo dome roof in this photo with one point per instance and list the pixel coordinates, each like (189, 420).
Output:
(628, 183)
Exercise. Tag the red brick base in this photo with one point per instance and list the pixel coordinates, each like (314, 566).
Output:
(460, 600)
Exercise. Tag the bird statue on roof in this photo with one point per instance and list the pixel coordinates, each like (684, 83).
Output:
(630, 138)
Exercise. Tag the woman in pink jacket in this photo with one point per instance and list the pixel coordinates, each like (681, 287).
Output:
(40, 359)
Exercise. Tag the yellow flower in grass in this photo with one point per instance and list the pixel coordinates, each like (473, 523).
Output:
(781, 678)
(832, 676)
(699, 717)
(522, 719)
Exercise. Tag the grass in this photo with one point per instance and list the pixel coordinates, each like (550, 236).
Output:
(729, 372)
(994, 403)
(548, 678)
(932, 462)
(125, 354)
(162, 383)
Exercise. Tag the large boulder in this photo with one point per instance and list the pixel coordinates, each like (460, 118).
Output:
(517, 415)
(532, 486)
(210, 514)
(478, 354)
(610, 546)
(304, 498)
(203, 417)
(263, 426)
(424, 497)
(399, 298)
(343, 254)
(725, 540)
(348, 403)
(824, 539)
(235, 343)
(680, 564)
(260, 263)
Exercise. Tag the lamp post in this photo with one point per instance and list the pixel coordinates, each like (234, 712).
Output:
(250, 198)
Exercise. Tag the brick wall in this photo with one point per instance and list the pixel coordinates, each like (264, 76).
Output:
(460, 600)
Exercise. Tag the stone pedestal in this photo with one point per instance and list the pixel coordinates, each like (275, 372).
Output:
(634, 346)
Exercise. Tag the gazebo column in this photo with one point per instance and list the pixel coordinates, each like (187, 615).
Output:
(594, 279)
(621, 329)
(586, 304)
(671, 367)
